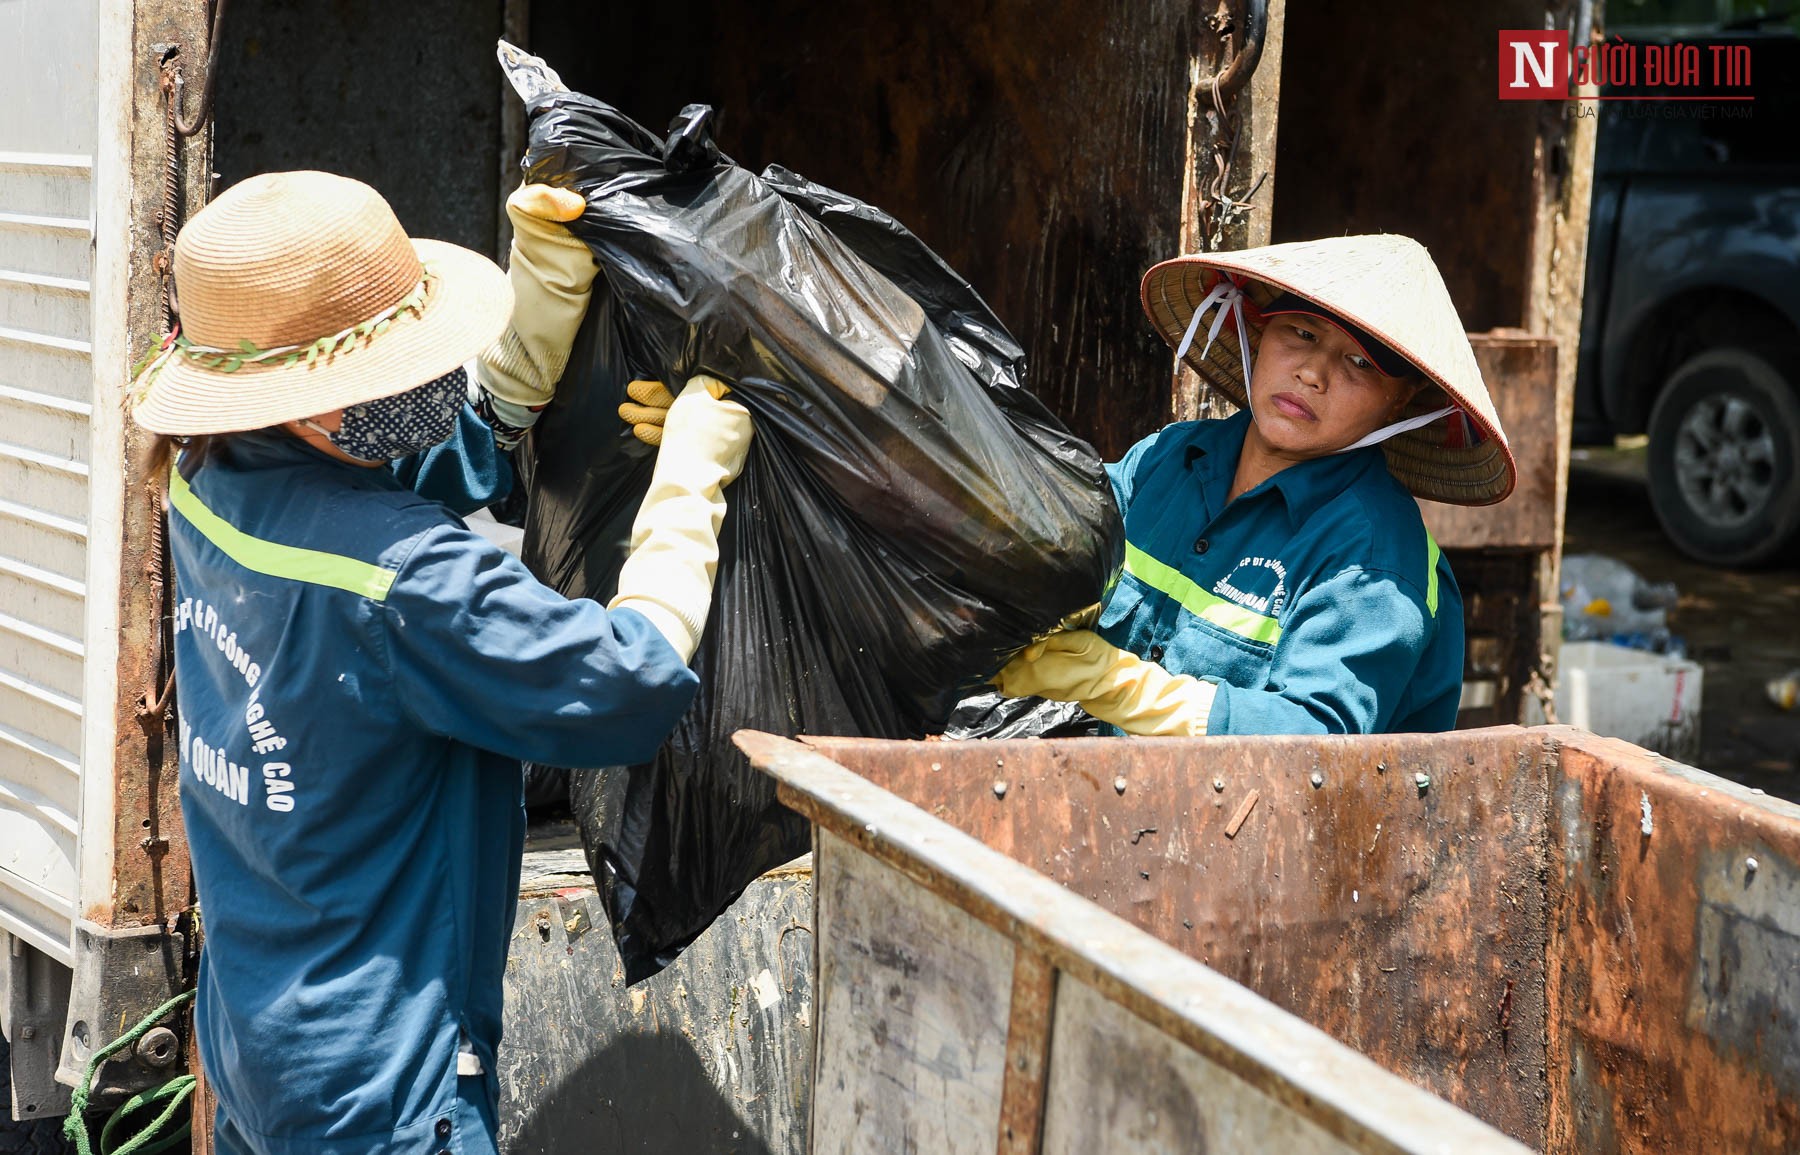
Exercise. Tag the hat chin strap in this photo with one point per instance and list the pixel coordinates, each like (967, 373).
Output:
(1230, 300)
(1399, 427)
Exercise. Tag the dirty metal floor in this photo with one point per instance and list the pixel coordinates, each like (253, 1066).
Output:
(1742, 626)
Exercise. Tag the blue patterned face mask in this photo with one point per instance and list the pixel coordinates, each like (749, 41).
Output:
(401, 425)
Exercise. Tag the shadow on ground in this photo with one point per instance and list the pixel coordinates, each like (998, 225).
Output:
(641, 1093)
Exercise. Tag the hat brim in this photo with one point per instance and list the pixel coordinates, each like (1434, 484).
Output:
(1424, 460)
(467, 309)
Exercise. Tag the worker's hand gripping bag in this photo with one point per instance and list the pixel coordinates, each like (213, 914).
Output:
(909, 516)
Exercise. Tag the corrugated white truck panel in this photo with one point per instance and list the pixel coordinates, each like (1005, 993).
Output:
(49, 88)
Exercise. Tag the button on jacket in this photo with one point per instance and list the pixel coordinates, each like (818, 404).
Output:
(1317, 601)
(359, 677)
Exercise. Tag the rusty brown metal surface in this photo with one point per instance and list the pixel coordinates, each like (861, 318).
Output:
(1396, 903)
(1295, 1070)
(1027, 1053)
(1520, 372)
(1674, 959)
(1039, 147)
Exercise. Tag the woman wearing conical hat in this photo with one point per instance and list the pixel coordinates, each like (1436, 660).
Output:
(360, 675)
(1278, 575)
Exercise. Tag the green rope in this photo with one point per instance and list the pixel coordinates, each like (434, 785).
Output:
(179, 1088)
(174, 1093)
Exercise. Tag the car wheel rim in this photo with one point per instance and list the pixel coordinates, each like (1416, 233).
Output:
(1725, 460)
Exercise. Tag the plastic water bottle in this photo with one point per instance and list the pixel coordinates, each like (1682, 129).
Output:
(1604, 599)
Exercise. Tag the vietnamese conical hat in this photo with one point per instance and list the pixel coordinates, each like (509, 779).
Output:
(300, 293)
(1388, 285)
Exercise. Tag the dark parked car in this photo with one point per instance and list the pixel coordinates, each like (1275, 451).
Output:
(1691, 321)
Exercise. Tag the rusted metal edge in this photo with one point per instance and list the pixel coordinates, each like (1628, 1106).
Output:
(1310, 747)
(1560, 738)
(1027, 1054)
(1297, 1065)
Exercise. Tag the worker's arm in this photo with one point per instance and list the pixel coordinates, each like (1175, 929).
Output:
(482, 652)
(1114, 685)
(552, 275)
(705, 440)
(467, 471)
(1347, 652)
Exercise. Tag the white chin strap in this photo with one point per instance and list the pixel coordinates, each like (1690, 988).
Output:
(1230, 300)
(1399, 427)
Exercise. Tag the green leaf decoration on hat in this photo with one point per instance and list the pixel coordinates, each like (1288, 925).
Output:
(176, 344)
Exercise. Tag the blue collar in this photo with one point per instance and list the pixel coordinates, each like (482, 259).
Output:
(273, 448)
(1304, 487)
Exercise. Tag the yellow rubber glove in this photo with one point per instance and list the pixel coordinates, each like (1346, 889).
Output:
(646, 417)
(552, 274)
(675, 541)
(1137, 696)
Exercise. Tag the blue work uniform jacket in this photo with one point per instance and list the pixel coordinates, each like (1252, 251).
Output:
(1317, 601)
(359, 676)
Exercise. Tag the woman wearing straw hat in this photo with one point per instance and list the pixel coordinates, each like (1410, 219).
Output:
(360, 674)
(1278, 575)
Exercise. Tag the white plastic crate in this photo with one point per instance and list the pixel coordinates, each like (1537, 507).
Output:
(1652, 700)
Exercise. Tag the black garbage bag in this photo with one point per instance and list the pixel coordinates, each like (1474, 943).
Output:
(909, 516)
(989, 717)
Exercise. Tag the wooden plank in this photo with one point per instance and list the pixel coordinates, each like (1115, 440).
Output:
(1296, 1065)
(1521, 372)
(1407, 923)
(1117, 1084)
(1027, 1054)
(914, 1002)
(1674, 959)
(1242, 813)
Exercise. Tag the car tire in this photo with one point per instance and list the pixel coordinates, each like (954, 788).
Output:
(38, 1137)
(1725, 457)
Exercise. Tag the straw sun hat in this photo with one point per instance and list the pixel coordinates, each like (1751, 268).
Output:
(300, 293)
(1385, 284)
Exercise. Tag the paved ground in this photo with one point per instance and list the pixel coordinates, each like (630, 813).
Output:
(1743, 627)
